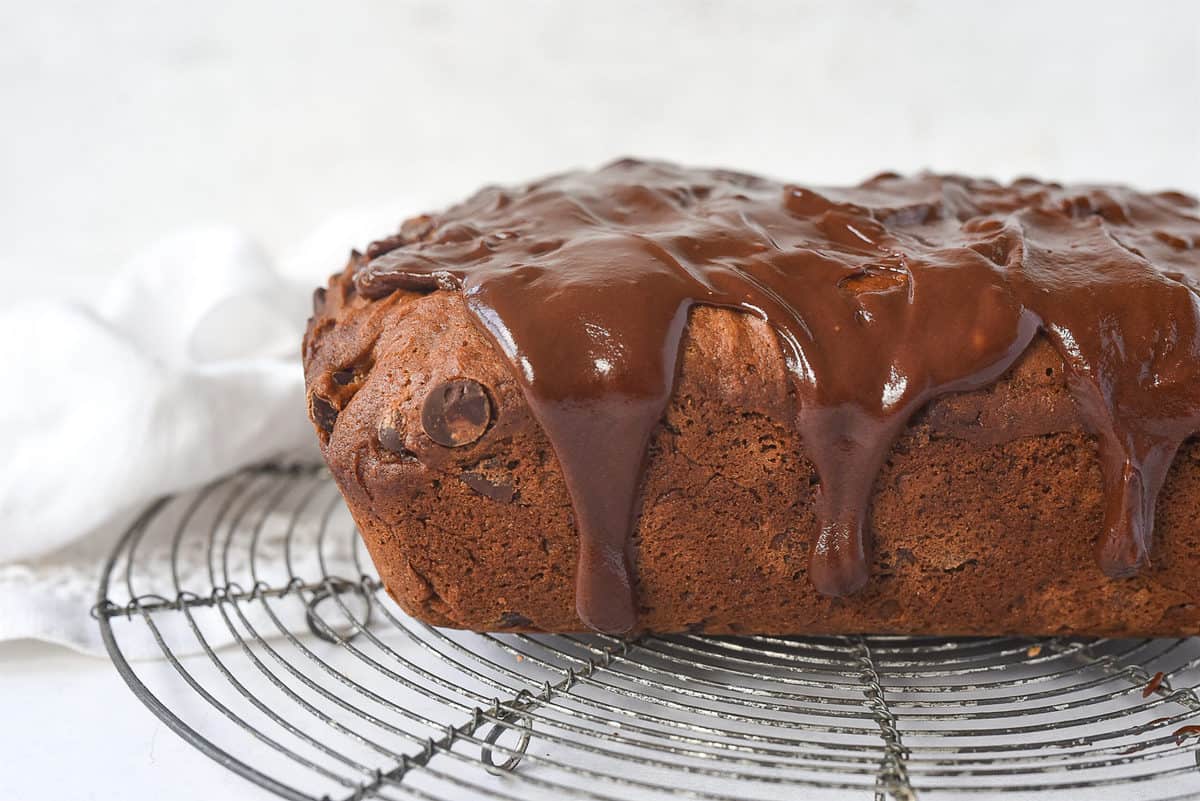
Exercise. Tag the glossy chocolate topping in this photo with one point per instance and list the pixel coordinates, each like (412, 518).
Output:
(884, 296)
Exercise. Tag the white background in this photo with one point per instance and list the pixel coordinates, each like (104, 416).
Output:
(121, 121)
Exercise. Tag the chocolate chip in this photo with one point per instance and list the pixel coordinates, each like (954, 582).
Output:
(343, 377)
(456, 233)
(874, 279)
(411, 230)
(322, 412)
(1179, 199)
(983, 225)
(386, 245)
(1168, 238)
(390, 433)
(542, 247)
(510, 620)
(915, 214)
(415, 229)
(502, 492)
(318, 300)
(456, 412)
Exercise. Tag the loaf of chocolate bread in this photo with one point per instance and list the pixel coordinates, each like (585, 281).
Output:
(653, 398)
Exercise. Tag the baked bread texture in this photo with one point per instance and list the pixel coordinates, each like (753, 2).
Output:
(650, 398)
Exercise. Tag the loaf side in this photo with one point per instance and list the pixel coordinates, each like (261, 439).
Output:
(984, 518)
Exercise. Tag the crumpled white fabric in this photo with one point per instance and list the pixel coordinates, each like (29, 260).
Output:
(187, 368)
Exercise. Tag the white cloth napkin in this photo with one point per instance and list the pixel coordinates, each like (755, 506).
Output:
(186, 369)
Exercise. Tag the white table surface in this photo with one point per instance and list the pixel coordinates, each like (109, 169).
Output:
(71, 729)
(126, 119)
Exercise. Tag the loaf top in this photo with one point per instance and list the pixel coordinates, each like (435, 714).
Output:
(884, 296)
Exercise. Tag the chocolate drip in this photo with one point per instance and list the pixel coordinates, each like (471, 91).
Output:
(884, 296)
(1129, 336)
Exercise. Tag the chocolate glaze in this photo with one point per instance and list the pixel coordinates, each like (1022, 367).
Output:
(884, 296)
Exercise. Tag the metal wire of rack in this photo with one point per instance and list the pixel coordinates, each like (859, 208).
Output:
(247, 617)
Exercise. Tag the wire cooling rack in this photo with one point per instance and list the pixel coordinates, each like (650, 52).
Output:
(248, 618)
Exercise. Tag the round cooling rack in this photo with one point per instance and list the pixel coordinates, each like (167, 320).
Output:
(248, 618)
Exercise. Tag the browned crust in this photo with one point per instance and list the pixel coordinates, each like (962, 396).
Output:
(985, 515)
